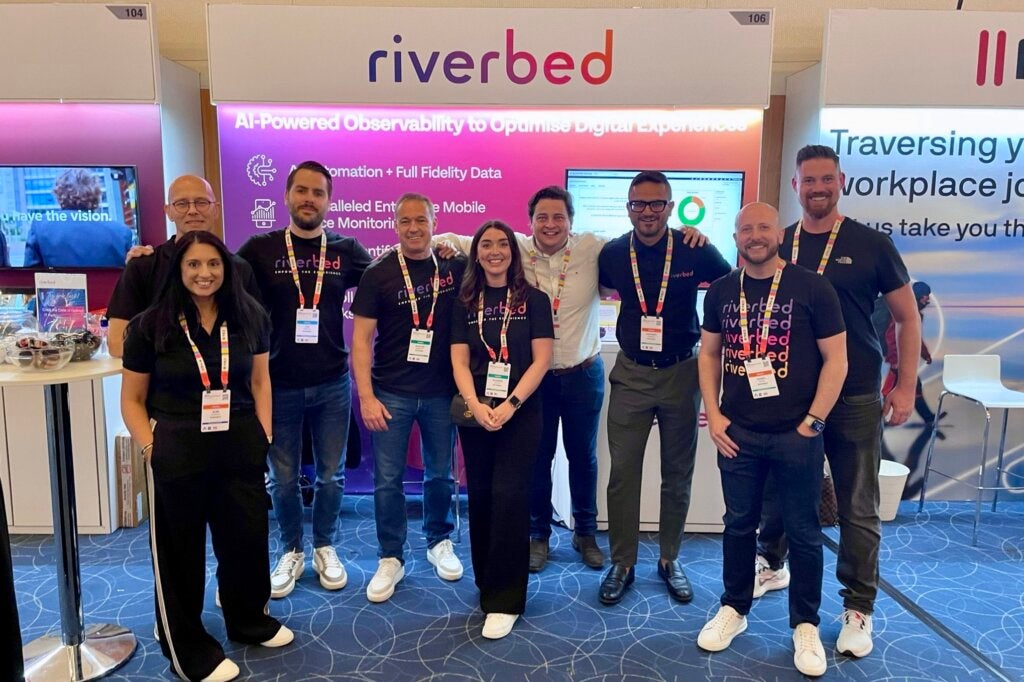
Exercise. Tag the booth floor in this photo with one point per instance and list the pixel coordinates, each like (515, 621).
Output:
(947, 611)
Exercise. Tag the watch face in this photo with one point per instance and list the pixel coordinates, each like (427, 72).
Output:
(818, 425)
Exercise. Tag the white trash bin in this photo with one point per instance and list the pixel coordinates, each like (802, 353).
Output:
(892, 478)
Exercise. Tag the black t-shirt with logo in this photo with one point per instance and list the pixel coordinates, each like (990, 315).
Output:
(863, 265)
(690, 267)
(530, 320)
(301, 365)
(382, 296)
(806, 309)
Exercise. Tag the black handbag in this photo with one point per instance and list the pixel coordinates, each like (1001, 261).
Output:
(462, 415)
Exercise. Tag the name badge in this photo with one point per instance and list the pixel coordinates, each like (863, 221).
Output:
(651, 329)
(554, 322)
(216, 413)
(419, 345)
(761, 377)
(307, 325)
(497, 379)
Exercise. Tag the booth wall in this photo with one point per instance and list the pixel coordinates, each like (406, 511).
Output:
(181, 123)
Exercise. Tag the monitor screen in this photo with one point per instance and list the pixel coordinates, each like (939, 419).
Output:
(67, 216)
(707, 200)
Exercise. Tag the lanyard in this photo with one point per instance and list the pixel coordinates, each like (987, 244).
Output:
(412, 294)
(762, 345)
(295, 268)
(664, 274)
(504, 326)
(556, 301)
(828, 246)
(204, 375)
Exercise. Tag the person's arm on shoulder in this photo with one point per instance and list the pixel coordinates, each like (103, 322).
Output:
(137, 251)
(693, 237)
(261, 393)
(900, 402)
(830, 380)
(460, 242)
(375, 415)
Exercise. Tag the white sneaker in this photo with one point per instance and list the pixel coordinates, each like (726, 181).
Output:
(442, 556)
(227, 670)
(390, 572)
(498, 625)
(808, 653)
(283, 637)
(289, 569)
(719, 632)
(766, 579)
(328, 567)
(855, 637)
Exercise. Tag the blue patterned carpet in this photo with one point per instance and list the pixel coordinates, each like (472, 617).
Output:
(430, 629)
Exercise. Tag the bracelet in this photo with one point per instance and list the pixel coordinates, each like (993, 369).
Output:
(146, 449)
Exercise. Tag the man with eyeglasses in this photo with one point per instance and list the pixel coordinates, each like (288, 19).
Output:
(655, 377)
(190, 205)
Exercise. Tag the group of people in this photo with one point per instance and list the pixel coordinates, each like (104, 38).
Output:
(503, 342)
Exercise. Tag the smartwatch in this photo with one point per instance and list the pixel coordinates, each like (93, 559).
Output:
(815, 424)
(515, 402)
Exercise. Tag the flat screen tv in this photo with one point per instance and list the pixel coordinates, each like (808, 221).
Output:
(707, 200)
(67, 216)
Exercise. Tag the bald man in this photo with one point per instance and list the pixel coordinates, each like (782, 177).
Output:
(773, 338)
(190, 205)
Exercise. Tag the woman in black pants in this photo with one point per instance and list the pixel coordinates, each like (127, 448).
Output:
(501, 348)
(196, 396)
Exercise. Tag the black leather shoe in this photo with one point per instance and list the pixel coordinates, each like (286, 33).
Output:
(538, 555)
(586, 545)
(675, 578)
(615, 582)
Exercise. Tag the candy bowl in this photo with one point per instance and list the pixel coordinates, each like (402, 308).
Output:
(38, 353)
(85, 342)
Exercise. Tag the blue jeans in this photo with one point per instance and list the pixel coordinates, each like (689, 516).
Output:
(390, 451)
(798, 461)
(576, 400)
(325, 407)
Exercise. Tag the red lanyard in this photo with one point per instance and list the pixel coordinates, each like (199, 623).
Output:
(295, 268)
(557, 299)
(762, 344)
(664, 274)
(504, 326)
(828, 246)
(204, 375)
(412, 294)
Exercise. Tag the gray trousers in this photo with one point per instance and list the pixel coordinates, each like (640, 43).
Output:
(639, 394)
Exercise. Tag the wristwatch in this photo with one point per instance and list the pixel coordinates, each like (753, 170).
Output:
(815, 424)
(515, 402)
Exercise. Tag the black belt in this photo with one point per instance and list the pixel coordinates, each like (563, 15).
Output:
(660, 361)
(583, 365)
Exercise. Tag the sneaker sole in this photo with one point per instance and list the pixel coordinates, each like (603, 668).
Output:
(856, 654)
(287, 589)
(328, 585)
(441, 573)
(722, 646)
(378, 598)
(504, 632)
(771, 588)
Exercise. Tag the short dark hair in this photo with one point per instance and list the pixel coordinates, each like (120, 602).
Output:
(552, 192)
(314, 166)
(655, 177)
(816, 151)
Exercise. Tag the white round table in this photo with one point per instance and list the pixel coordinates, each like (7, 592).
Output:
(79, 653)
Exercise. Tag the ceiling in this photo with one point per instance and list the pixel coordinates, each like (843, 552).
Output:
(181, 24)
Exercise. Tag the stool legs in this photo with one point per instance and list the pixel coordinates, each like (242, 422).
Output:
(981, 478)
(999, 461)
(931, 449)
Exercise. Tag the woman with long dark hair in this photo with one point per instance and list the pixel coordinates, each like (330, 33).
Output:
(195, 395)
(502, 340)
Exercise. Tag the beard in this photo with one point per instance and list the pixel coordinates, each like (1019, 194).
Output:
(820, 212)
(309, 224)
(770, 254)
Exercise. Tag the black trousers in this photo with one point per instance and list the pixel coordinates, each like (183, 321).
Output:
(12, 666)
(499, 471)
(198, 480)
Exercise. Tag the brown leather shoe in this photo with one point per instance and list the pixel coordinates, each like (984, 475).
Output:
(538, 555)
(591, 554)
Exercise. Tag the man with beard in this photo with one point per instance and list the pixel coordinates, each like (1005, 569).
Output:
(655, 377)
(773, 338)
(303, 273)
(861, 264)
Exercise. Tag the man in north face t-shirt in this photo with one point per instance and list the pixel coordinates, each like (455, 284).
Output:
(406, 297)
(774, 343)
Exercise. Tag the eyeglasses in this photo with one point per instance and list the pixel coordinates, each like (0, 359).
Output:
(183, 205)
(638, 206)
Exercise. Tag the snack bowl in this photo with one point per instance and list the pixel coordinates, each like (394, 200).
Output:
(85, 342)
(39, 354)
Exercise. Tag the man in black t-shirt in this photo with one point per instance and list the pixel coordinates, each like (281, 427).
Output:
(655, 376)
(190, 205)
(861, 264)
(303, 273)
(773, 338)
(406, 298)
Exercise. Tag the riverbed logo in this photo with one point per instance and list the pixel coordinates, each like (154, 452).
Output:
(520, 66)
(999, 66)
